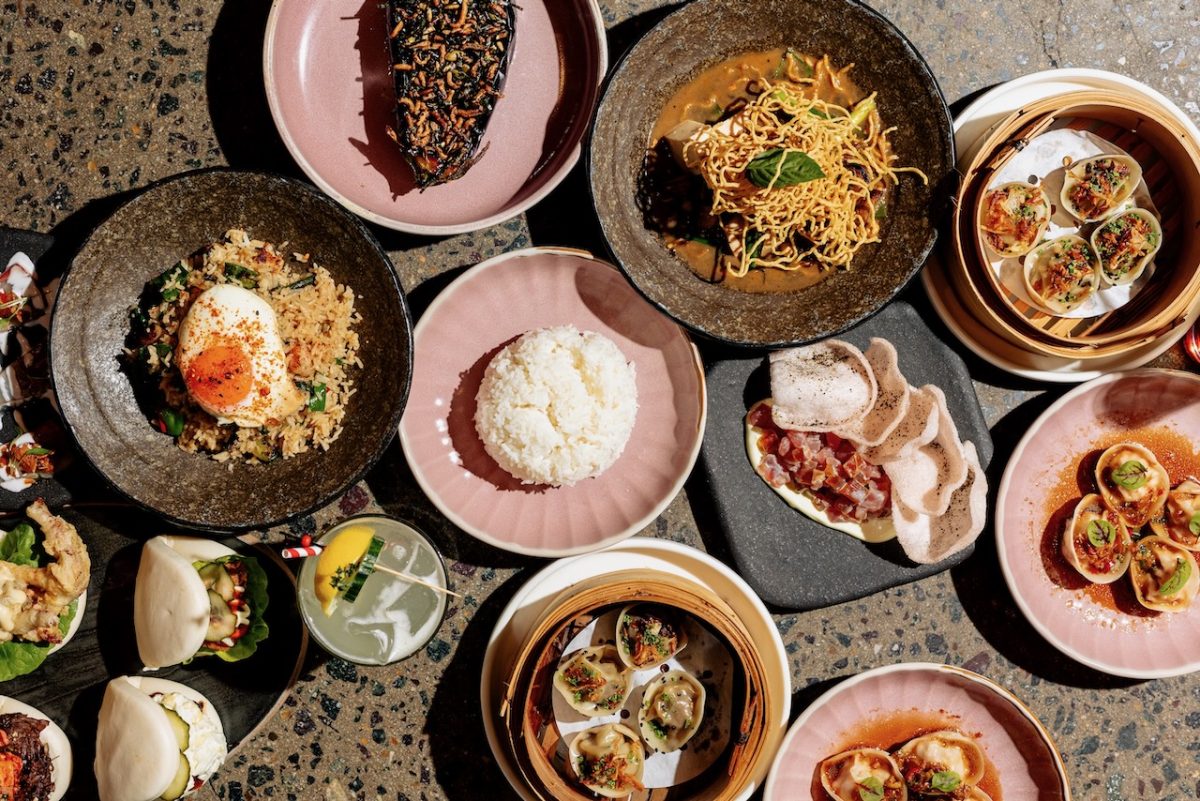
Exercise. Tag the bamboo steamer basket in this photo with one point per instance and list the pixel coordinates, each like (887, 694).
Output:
(526, 707)
(1171, 163)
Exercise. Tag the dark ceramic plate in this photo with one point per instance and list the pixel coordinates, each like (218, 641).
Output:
(90, 323)
(69, 686)
(790, 560)
(706, 32)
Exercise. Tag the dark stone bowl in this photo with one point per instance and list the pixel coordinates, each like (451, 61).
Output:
(91, 321)
(706, 32)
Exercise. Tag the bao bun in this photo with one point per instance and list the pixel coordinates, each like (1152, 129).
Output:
(137, 753)
(170, 602)
(55, 740)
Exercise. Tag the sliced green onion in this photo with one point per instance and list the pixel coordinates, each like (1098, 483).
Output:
(172, 422)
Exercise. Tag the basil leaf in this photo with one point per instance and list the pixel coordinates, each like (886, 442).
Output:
(1183, 572)
(1130, 474)
(1100, 532)
(947, 781)
(1194, 524)
(779, 167)
(870, 789)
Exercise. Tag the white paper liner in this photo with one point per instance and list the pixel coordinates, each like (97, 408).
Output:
(1042, 162)
(706, 658)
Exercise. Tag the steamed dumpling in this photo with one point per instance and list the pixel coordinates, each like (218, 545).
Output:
(608, 760)
(941, 763)
(1132, 482)
(1165, 576)
(672, 710)
(594, 681)
(1096, 541)
(1180, 518)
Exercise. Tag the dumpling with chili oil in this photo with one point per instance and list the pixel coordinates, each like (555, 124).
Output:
(1094, 188)
(1062, 274)
(608, 760)
(594, 680)
(649, 634)
(941, 763)
(672, 710)
(1096, 541)
(1164, 575)
(1013, 218)
(1180, 517)
(1125, 245)
(1132, 482)
(859, 772)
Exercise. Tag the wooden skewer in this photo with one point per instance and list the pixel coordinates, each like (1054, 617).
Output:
(415, 580)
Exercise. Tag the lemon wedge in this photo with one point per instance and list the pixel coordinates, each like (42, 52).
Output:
(344, 550)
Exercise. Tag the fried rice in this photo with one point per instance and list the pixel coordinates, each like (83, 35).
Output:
(316, 320)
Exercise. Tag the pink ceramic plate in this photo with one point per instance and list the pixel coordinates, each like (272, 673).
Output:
(1027, 764)
(484, 309)
(1095, 633)
(329, 85)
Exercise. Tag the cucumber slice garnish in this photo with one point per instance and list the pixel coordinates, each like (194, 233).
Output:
(181, 729)
(366, 566)
(217, 578)
(222, 621)
(182, 781)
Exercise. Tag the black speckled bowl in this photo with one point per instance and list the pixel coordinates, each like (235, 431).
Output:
(90, 324)
(706, 32)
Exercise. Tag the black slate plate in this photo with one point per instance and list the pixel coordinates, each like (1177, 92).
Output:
(790, 560)
(69, 686)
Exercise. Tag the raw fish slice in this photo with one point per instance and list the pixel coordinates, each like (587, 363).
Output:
(925, 478)
(891, 400)
(821, 387)
(926, 539)
(918, 427)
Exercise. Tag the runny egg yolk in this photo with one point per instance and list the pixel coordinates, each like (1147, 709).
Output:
(220, 376)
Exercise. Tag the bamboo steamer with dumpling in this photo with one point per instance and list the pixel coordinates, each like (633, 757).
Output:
(1170, 158)
(533, 737)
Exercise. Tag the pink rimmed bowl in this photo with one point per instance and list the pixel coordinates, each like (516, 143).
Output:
(1027, 762)
(485, 308)
(328, 81)
(1112, 641)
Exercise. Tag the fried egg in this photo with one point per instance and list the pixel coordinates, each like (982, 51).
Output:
(233, 361)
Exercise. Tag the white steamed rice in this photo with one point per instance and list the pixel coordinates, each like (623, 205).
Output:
(557, 406)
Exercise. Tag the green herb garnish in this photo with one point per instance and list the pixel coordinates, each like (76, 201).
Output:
(1100, 532)
(946, 781)
(1183, 572)
(244, 276)
(1130, 474)
(870, 789)
(172, 422)
(307, 280)
(1194, 524)
(39, 451)
(782, 167)
(316, 399)
(170, 282)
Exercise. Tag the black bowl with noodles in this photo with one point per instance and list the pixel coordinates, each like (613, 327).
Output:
(700, 36)
(108, 409)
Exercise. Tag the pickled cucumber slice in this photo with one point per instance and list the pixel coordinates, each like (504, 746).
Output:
(222, 621)
(181, 729)
(365, 568)
(181, 783)
(217, 578)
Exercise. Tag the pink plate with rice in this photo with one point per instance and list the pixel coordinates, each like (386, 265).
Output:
(486, 308)
(329, 85)
(1101, 626)
(889, 705)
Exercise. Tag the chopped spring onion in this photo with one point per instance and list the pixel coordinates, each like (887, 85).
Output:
(244, 276)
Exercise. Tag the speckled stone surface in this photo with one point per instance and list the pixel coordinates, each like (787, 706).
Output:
(97, 98)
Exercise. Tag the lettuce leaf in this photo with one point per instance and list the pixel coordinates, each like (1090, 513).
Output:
(20, 547)
(17, 546)
(18, 658)
(257, 595)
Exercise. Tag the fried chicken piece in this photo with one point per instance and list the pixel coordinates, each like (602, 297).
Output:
(33, 598)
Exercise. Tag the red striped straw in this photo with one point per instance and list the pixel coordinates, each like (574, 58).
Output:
(1191, 343)
(300, 552)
